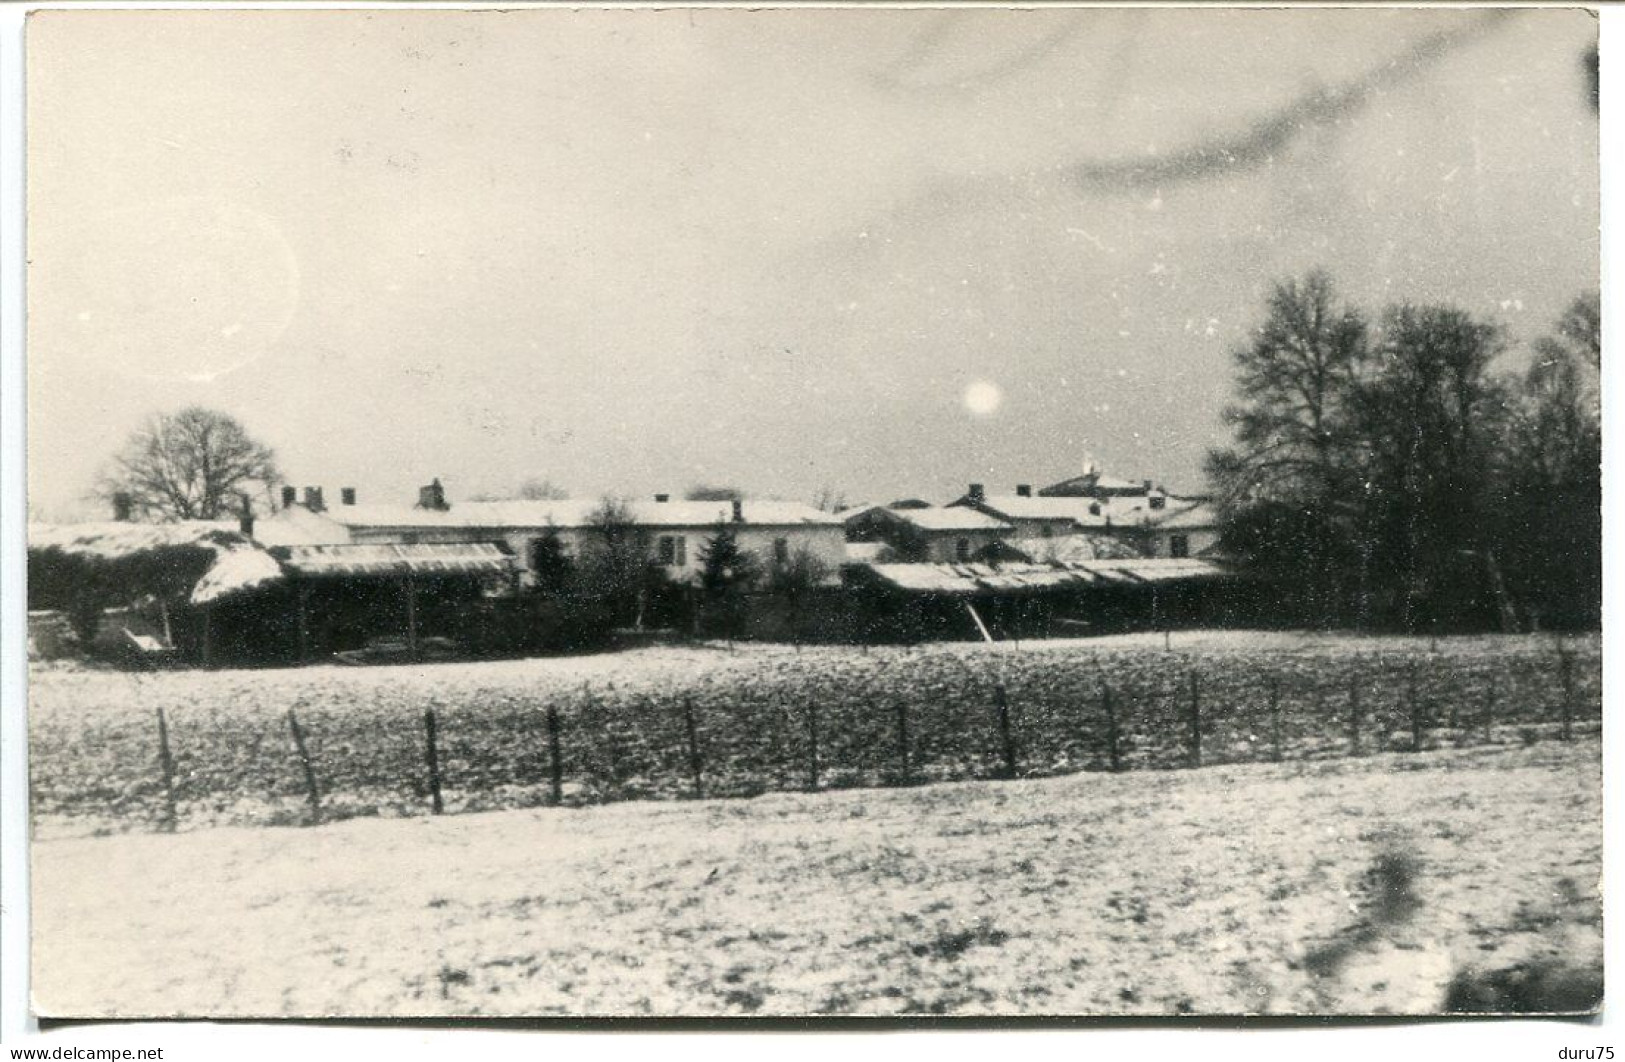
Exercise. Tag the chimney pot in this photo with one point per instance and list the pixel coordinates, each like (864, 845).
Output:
(290, 497)
(432, 496)
(1024, 490)
(739, 511)
(313, 499)
(346, 495)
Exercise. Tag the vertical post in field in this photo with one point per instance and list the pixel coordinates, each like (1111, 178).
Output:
(430, 728)
(1565, 673)
(812, 746)
(1196, 720)
(312, 791)
(1354, 711)
(555, 759)
(166, 764)
(695, 768)
(1275, 718)
(1413, 701)
(1113, 750)
(1007, 740)
(902, 743)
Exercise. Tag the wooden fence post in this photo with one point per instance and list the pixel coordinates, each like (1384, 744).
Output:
(555, 761)
(1354, 709)
(1565, 670)
(1196, 721)
(431, 729)
(902, 743)
(166, 764)
(1113, 751)
(1487, 723)
(1007, 740)
(313, 792)
(1275, 718)
(694, 765)
(1414, 703)
(812, 746)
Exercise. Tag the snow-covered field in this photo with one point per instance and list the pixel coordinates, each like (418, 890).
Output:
(1334, 886)
(762, 716)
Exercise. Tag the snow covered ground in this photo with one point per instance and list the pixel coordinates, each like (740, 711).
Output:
(1342, 886)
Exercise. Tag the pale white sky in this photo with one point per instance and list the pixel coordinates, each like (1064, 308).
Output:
(630, 250)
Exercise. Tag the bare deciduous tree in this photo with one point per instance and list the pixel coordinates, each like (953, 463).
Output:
(193, 464)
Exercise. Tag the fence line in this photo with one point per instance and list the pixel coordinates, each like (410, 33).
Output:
(1070, 718)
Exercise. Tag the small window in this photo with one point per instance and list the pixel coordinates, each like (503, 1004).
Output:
(781, 551)
(1159, 501)
(962, 550)
(1179, 546)
(667, 549)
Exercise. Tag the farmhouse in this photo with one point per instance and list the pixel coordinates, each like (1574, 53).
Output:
(672, 534)
(1152, 521)
(929, 533)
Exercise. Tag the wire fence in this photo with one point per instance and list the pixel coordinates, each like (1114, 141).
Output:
(893, 720)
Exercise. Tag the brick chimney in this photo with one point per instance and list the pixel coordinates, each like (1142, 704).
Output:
(346, 495)
(245, 517)
(739, 511)
(1024, 490)
(662, 498)
(313, 499)
(290, 497)
(1147, 486)
(976, 492)
(123, 506)
(432, 496)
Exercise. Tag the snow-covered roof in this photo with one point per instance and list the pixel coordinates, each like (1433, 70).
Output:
(480, 558)
(1075, 548)
(1197, 515)
(965, 579)
(236, 571)
(1038, 507)
(935, 518)
(579, 513)
(111, 539)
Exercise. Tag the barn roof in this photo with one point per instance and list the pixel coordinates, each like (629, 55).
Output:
(967, 579)
(476, 558)
(112, 539)
(234, 572)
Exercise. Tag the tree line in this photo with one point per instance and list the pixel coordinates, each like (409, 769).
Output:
(1393, 470)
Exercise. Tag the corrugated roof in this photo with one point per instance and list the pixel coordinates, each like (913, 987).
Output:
(396, 558)
(981, 578)
(579, 513)
(1071, 549)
